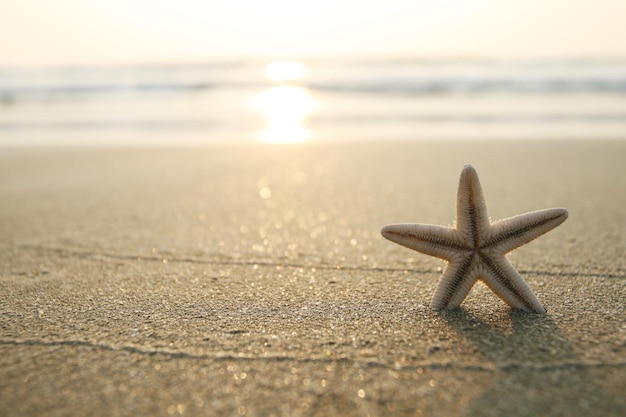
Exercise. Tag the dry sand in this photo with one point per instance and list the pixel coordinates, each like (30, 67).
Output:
(253, 281)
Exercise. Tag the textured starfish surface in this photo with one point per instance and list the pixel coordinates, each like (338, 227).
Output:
(476, 248)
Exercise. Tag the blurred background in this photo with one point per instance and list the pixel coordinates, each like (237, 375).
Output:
(192, 72)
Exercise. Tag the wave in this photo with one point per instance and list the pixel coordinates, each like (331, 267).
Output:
(315, 121)
(354, 77)
(546, 86)
(430, 87)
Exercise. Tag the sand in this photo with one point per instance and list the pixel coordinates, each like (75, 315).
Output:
(254, 281)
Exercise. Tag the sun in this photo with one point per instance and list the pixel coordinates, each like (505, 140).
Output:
(281, 71)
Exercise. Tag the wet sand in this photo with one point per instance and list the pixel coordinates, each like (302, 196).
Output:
(254, 281)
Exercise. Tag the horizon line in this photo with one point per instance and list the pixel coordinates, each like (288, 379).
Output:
(340, 58)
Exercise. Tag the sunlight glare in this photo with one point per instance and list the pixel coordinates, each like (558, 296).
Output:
(284, 108)
(285, 71)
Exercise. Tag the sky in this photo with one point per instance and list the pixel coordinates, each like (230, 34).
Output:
(76, 32)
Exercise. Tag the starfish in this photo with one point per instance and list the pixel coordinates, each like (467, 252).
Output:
(476, 248)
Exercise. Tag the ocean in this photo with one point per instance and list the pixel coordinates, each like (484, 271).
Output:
(253, 101)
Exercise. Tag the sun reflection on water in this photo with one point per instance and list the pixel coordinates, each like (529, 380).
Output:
(285, 106)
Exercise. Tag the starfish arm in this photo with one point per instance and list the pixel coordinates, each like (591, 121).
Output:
(456, 282)
(506, 283)
(513, 232)
(429, 239)
(471, 211)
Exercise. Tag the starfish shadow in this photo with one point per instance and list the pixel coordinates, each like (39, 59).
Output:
(537, 371)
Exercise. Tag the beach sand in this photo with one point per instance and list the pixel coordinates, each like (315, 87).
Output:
(254, 281)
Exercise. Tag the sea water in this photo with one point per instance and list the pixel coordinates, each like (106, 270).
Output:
(243, 101)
